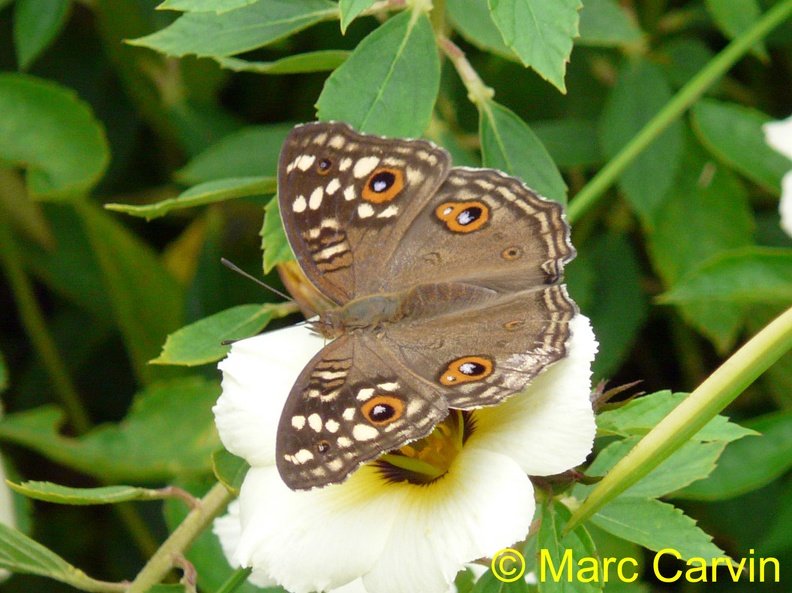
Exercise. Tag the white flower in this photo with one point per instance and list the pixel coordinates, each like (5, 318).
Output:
(381, 536)
(7, 511)
(778, 135)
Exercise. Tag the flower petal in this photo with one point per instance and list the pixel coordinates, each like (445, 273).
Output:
(778, 134)
(483, 504)
(320, 539)
(258, 375)
(550, 427)
(228, 530)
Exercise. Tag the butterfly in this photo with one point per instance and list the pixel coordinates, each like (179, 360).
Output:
(448, 286)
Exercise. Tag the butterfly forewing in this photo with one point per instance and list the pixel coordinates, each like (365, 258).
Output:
(350, 404)
(484, 227)
(347, 198)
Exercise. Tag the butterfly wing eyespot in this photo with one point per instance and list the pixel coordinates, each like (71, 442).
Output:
(383, 185)
(383, 409)
(322, 446)
(466, 369)
(463, 217)
(511, 253)
(324, 165)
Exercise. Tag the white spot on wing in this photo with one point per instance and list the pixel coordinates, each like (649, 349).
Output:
(305, 161)
(364, 432)
(332, 426)
(316, 198)
(391, 210)
(365, 393)
(333, 186)
(345, 163)
(302, 456)
(344, 442)
(414, 176)
(337, 141)
(315, 422)
(298, 422)
(348, 414)
(349, 193)
(390, 386)
(365, 165)
(299, 204)
(365, 211)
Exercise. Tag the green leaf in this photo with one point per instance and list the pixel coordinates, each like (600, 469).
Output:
(691, 462)
(173, 419)
(53, 134)
(251, 152)
(246, 28)
(36, 25)
(640, 415)
(316, 61)
(84, 496)
(735, 17)
(202, 342)
(540, 33)
(350, 9)
(604, 23)
(508, 144)
(147, 302)
(389, 84)
(209, 192)
(746, 275)
(706, 212)
(70, 270)
(749, 464)
(641, 90)
(656, 525)
(229, 469)
(733, 134)
(561, 557)
(621, 307)
(273, 238)
(570, 142)
(19, 553)
(216, 6)
(473, 21)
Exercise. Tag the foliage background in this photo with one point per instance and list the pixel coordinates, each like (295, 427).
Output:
(89, 296)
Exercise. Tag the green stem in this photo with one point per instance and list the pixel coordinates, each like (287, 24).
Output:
(701, 406)
(36, 328)
(686, 96)
(236, 579)
(209, 507)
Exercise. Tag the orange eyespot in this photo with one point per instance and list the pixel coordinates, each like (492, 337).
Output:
(466, 370)
(511, 253)
(383, 409)
(383, 185)
(463, 217)
(323, 166)
(322, 446)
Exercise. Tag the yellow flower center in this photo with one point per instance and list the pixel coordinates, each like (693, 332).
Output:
(427, 459)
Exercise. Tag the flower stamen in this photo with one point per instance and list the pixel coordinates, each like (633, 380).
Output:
(428, 459)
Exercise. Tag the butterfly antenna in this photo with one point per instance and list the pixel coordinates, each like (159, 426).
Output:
(239, 270)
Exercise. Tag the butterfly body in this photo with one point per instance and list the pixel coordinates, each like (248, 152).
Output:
(448, 286)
